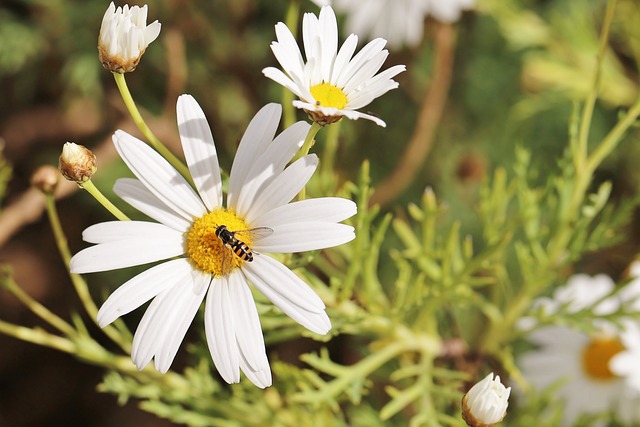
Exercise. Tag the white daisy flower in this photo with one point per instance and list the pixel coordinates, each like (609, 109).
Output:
(331, 83)
(195, 260)
(485, 404)
(124, 36)
(399, 21)
(590, 385)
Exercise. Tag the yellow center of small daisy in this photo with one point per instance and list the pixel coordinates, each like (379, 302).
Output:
(596, 356)
(205, 250)
(328, 95)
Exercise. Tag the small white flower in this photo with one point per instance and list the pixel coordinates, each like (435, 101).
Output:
(486, 403)
(399, 21)
(124, 36)
(592, 384)
(331, 83)
(198, 263)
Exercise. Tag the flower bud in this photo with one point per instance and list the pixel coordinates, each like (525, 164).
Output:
(485, 405)
(46, 179)
(77, 163)
(124, 36)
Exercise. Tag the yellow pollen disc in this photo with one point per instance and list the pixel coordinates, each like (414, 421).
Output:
(205, 250)
(329, 96)
(596, 356)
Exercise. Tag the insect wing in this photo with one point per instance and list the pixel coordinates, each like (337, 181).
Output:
(253, 234)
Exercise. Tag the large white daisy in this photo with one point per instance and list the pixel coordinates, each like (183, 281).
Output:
(582, 361)
(331, 83)
(399, 21)
(195, 261)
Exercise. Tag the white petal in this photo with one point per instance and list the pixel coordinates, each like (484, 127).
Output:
(344, 55)
(260, 378)
(247, 324)
(325, 209)
(286, 50)
(221, 331)
(366, 53)
(136, 194)
(185, 304)
(355, 115)
(305, 236)
(284, 187)
(141, 288)
(113, 231)
(315, 321)
(310, 36)
(125, 253)
(288, 292)
(158, 176)
(280, 78)
(255, 141)
(328, 27)
(271, 163)
(200, 151)
(164, 325)
(146, 338)
(366, 72)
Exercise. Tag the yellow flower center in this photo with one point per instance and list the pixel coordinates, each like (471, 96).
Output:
(205, 250)
(328, 95)
(596, 356)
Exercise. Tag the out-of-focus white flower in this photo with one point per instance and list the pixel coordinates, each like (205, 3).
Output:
(321, 3)
(585, 362)
(197, 260)
(485, 404)
(331, 83)
(124, 36)
(399, 21)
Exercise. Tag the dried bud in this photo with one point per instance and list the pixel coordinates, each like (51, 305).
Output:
(77, 163)
(485, 405)
(46, 179)
(124, 36)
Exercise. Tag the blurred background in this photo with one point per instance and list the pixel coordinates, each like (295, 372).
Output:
(510, 75)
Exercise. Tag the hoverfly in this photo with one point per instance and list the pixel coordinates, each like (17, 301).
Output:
(237, 246)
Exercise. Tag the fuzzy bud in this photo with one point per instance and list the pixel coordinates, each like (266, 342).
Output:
(46, 179)
(77, 163)
(485, 405)
(124, 36)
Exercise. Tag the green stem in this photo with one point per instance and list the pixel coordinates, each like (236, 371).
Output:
(38, 309)
(308, 141)
(330, 149)
(36, 336)
(142, 125)
(612, 139)
(306, 146)
(78, 282)
(93, 190)
(587, 113)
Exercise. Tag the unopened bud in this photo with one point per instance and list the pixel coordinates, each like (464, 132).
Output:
(485, 405)
(77, 163)
(46, 179)
(124, 36)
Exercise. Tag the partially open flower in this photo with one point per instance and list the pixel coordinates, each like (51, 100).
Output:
(485, 405)
(124, 36)
(77, 163)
